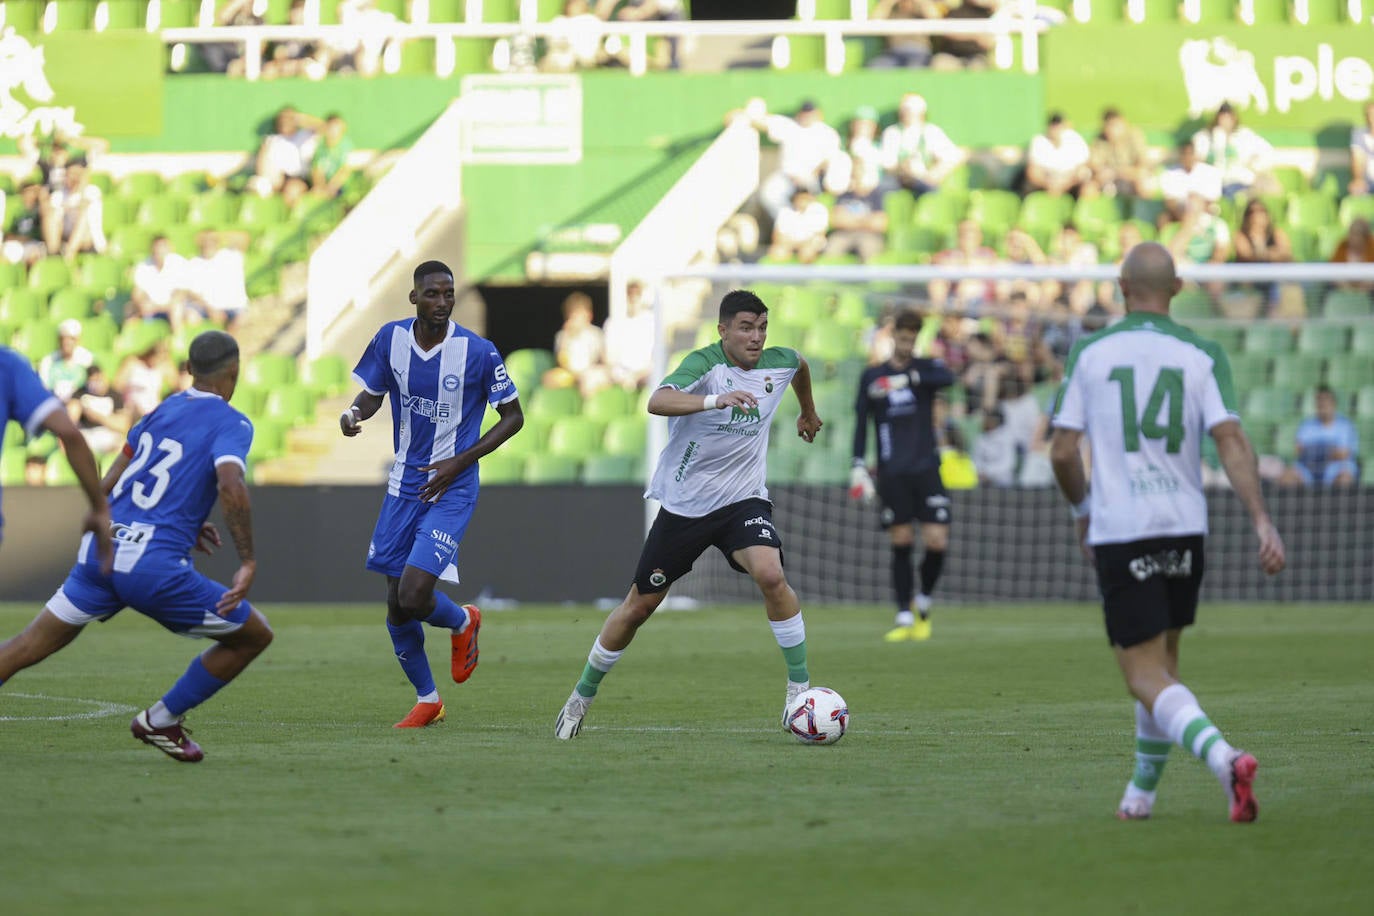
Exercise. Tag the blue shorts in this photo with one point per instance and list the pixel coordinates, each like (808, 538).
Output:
(423, 535)
(1332, 470)
(176, 596)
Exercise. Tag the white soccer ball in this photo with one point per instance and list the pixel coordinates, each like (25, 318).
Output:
(818, 716)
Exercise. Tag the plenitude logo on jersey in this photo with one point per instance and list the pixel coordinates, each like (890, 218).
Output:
(744, 421)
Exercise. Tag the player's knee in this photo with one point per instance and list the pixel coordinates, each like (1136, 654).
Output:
(936, 540)
(415, 601)
(770, 578)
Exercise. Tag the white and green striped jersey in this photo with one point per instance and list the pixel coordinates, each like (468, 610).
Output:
(1146, 391)
(718, 457)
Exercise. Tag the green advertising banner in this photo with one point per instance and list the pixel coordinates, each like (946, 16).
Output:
(1298, 85)
(107, 85)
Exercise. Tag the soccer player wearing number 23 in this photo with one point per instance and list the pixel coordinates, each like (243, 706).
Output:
(162, 486)
(440, 378)
(1145, 390)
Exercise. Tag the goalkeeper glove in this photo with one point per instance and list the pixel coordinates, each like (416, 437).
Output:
(861, 485)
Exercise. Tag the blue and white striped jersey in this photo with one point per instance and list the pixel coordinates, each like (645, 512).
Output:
(171, 484)
(437, 399)
(22, 395)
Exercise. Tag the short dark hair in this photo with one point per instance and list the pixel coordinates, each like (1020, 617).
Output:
(1055, 118)
(1324, 389)
(908, 320)
(211, 352)
(431, 267)
(1109, 113)
(740, 300)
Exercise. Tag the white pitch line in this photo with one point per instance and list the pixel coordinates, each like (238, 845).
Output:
(103, 708)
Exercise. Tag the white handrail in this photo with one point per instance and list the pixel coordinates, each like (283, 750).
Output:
(424, 181)
(1305, 272)
(255, 37)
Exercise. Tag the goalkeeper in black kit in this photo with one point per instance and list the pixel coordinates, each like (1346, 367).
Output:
(899, 395)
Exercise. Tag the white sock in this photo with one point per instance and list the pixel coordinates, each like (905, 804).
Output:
(905, 619)
(159, 717)
(790, 632)
(923, 604)
(1178, 714)
(601, 658)
(431, 697)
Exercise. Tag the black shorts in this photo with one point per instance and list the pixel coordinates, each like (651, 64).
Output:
(675, 541)
(920, 496)
(1149, 586)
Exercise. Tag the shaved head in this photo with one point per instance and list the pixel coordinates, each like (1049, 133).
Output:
(1148, 278)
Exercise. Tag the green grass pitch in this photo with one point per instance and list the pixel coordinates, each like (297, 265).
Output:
(980, 773)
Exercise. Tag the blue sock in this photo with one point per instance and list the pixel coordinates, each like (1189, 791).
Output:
(191, 689)
(409, 640)
(447, 613)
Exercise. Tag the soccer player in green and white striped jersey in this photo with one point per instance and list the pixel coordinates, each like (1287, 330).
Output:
(710, 482)
(1145, 391)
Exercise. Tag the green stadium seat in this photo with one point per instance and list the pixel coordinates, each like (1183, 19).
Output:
(1161, 11)
(12, 275)
(121, 14)
(575, 436)
(290, 404)
(1147, 210)
(1353, 208)
(180, 14)
(829, 344)
(138, 337)
(328, 374)
(1312, 209)
(609, 403)
(556, 402)
(626, 436)
(609, 469)
(24, 16)
(36, 339)
(807, 307)
(940, 209)
(69, 16)
(550, 469)
(269, 439)
(1361, 339)
(1364, 402)
(1328, 238)
(131, 243)
(1285, 440)
(12, 461)
(1250, 370)
(1290, 178)
(453, 10)
(162, 212)
(1270, 403)
(1324, 12)
(118, 211)
(1229, 337)
(805, 52)
(257, 212)
(1347, 304)
(994, 208)
(1323, 339)
(526, 367)
(69, 303)
(270, 369)
(20, 305)
(1216, 11)
(250, 398)
(1305, 242)
(1044, 209)
(49, 274)
(501, 467)
(58, 473)
(1192, 304)
(1269, 12)
(101, 275)
(1297, 371)
(900, 207)
(1349, 372)
(917, 239)
(285, 242)
(1268, 338)
(212, 210)
(1095, 217)
(142, 185)
(1261, 433)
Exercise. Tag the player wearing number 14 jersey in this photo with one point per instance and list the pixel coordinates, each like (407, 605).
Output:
(178, 459)
(1145, 391)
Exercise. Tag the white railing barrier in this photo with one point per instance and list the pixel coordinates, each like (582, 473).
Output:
(254, 38)
(917, 274)
(426, 180)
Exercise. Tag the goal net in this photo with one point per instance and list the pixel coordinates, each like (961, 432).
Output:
(1005, 331)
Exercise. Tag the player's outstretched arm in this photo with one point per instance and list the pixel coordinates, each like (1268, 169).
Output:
(1242, 469)
(364, 406)
(97, 520)
(669, 402)
(809, 423)
(238, 518)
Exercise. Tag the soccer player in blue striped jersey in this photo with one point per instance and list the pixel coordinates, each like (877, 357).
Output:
(162, 486)
(24, 399)
(440, 377)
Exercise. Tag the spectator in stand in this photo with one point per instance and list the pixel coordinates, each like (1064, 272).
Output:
(1328, 447)
(24, 241)
(984, 371)
(1362, 154)
(227, 56)
(296, 57)
(1240, 154)
(904, 51)
(577, 44)
(579, 348)
(919, 153)
(969, 251)
(1070, 249)
(799, 230)
(1203, 238)
(630, 340)
(1120, 159)
(1190, 177)
(1259, 241)
(285, 154)
(160, 282)
(964, 51)
(994, 452)
(1057, 161)
(73, 222)
(215, 282)
(858, 221)
(63, 371)
(667, 55)
(144, 378)
(329, 168)
(807, 147)
(1024, 251)
(1356, 248)
(864, 148)
(99, 412)
(362, 51)
(51, 152)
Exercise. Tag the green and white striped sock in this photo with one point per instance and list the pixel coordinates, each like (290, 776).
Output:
(1176, 711)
